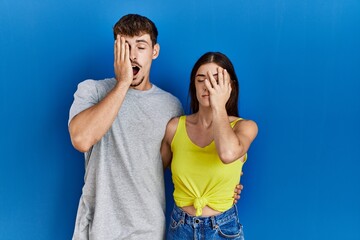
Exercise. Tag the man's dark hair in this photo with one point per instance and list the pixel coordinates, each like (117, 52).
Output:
(133, 25)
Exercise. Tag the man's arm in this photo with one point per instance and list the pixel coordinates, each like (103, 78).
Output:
(237, 192)
(89, 126)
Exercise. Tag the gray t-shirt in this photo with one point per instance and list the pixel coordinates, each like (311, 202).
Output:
(123, 196)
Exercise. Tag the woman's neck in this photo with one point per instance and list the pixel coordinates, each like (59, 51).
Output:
(204, 118)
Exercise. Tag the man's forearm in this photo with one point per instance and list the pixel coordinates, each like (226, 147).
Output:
(89, 126)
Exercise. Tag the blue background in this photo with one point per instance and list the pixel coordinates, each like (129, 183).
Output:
(299, 68)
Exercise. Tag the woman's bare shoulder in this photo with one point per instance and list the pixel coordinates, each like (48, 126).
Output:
(173, 122)
(172, 126)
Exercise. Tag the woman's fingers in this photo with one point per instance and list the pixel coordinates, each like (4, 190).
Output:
(220, 72)
(212, 79)
(227, 81)
(208, 86)
(226, 77)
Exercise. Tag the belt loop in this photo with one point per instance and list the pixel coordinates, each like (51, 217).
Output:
(236, 210)
(182, 220)
(213, 223)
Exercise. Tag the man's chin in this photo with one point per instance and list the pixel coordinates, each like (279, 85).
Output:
(136, 82)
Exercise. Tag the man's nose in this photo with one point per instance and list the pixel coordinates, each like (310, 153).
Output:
(132, 55)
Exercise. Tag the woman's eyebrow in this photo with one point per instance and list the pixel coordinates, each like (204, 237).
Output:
(200, 75)
(204, 75)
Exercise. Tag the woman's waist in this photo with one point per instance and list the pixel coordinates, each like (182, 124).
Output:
(205, 205)
(219, 218)
(206, 211)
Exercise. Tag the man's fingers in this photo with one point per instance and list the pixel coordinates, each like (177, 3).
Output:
(238, 191)
(117, 49)
(127, 51)
(122, 48)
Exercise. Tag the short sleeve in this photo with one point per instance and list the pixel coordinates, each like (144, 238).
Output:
(85, 97)
(179, 111)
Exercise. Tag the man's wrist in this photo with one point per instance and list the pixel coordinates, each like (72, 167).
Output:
(122, 85)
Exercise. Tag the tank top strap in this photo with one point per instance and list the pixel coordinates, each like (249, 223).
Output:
(182, 124)
(182, 120)
(235, 121)
(179, 133)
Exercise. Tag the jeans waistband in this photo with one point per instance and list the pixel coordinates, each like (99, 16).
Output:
(213, 220)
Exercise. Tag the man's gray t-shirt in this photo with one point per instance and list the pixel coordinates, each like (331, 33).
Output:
(123, 196)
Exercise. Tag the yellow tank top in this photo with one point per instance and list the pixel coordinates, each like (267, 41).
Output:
(200, 178)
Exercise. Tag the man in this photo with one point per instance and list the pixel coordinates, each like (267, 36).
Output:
(119, 124)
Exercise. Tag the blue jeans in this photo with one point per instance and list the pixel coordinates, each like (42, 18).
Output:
(223, 226)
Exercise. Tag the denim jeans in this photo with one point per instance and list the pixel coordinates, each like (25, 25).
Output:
(223, 226)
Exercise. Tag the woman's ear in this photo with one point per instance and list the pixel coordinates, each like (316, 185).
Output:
(156, 51)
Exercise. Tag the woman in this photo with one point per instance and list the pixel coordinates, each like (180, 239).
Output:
(206, 150)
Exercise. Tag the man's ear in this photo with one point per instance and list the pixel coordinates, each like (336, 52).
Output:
(156, 51)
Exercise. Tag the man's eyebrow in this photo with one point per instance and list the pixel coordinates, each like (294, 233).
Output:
(142, 41)
(139, 41)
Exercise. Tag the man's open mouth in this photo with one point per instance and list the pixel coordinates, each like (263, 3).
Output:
(135, 69)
